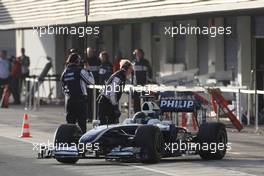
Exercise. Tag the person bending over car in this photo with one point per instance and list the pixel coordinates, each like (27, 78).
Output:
(108, 100)
(74, 83)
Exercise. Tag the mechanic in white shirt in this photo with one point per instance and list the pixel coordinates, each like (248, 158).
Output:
(108, 110)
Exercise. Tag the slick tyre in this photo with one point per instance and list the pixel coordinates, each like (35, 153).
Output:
(214, 136)
(150, 140)
(67, 134)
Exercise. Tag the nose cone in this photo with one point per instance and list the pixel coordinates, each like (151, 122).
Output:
(91, 135)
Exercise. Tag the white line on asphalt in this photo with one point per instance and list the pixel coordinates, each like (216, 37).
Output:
(234, 153)
(20, 139)
(225, 171)
(154, 170)
(230, 172)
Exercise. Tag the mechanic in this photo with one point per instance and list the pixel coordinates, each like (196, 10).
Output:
(109, 112)
(74, 83)
(94, 64)
(142, 74)
(105, 69)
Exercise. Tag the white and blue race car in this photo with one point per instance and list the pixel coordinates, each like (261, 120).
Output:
(145, 137)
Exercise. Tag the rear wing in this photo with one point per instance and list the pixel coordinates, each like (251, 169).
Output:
(178, 102)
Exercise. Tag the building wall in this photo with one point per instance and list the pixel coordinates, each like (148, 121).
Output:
(8, 42)
(38, 49)
(166, 54)
(28, 13)
(170, 55)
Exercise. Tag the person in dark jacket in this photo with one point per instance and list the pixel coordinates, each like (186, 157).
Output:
(94, 64)
(16, 74)
(142, 74)
(105, 69)
(74, 83)
(109, 112)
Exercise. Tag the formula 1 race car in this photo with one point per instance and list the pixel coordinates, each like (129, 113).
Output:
(146, 137)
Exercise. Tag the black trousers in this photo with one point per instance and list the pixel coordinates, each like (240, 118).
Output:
(76, 112)
(108, 113)
(90, 106)
(15, 89)
(137, 106)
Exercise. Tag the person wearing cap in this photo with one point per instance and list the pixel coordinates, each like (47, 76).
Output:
(108, 110)
(74, 81)
(105, 69)
(142, 74)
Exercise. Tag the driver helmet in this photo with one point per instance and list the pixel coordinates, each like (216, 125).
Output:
(140, 118)
(150, 109)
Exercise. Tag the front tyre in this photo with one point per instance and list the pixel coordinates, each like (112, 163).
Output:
(67, 134)
(150, 139)
(214, 137)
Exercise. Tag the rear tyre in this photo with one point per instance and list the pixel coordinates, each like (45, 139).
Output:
(67, 134)
(149, 138)
(214, 136)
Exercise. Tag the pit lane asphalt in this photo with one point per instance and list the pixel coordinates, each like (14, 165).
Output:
(17, 157)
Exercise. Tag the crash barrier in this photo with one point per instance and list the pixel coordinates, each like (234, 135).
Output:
(238, 91)
(33, 83)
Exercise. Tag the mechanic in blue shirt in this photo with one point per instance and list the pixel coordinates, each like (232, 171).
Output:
(142, 75)
(4, 70)
(74, 83)
(94, 64)
(105, 69)
(109, 112)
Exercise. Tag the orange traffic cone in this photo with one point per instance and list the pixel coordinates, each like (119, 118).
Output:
(25, 128)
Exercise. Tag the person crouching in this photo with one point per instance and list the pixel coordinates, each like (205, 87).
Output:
(108, 111)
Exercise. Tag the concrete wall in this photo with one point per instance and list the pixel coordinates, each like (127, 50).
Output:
(107, 41)
(166, 50)
(28, 13)
(159, 48)
(8, 42)
(125, 40)
(191, 51)
(38, 48)
(146, 35)
(244, 50)
(216, 50)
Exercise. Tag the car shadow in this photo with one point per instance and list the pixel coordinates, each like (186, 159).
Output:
(224, 163)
